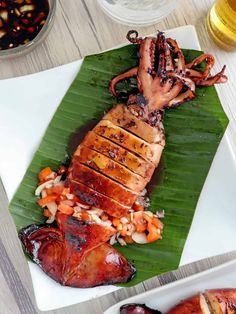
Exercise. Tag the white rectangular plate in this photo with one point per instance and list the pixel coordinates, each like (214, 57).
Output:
(163, 298)
(27, 105)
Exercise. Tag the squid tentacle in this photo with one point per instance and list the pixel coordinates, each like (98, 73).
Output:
(128, 74)
(180, 64)
(161, 46)
(163, 77)
(210, 61)
(211, 80)
(132, 36)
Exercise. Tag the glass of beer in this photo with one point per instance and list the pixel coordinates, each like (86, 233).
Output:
(221, 22)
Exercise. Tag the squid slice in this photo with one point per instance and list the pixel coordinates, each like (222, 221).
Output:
(102, 184)
(99, 200)
(149, 152)
(110, 168)
(119, 154)
(122, 117)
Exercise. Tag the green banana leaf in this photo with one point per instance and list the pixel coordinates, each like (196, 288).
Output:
(193, 133)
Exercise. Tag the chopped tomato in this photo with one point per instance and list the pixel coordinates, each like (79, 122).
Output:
(85, 216)
(47, 199)
(138, 218)
(153, 234)
(116, 222)
(156, 222)
(104, 217)
(141, 227)
(151, 228)
(66, 209)
(67, 202)
(65, 191)
(44, 173)
(137, 207)
(139, 221)
(152, 237)
(128, 239)
(57, 189)
(47, 213)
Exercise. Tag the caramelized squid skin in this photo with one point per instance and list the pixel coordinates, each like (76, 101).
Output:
(163, 77)
(76, 253)
(204, 78)
(130, 73)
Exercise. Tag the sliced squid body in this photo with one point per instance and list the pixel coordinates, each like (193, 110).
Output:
(115, 161)
(218, 301)
(76, 253)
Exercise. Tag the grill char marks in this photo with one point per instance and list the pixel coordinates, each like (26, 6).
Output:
(122, 117)
(149, 152)
(102, 184)
(96, 199)
(215, 301)
(190, 305)
(119, 154)
(222, 300)
(115, 161)
(76, 253)
(110, 168)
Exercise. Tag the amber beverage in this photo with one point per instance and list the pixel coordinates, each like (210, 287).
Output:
(221, 23)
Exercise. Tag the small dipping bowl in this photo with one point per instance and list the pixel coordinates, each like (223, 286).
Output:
(39, 38)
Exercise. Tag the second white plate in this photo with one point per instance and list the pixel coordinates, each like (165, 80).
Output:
(163, 298)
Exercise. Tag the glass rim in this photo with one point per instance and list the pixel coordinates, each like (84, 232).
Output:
(131, 21)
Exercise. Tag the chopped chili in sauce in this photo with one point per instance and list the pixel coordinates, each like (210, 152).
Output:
(21, 21)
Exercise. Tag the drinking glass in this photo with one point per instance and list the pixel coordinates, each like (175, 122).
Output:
(221, 22)
(138, 12)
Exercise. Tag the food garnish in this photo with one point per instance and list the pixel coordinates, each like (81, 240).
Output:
(138, 226)
(105, 182)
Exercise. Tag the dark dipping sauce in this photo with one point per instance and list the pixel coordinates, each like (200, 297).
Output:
(21, 21)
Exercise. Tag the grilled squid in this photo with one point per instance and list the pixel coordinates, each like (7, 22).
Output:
(110, 170)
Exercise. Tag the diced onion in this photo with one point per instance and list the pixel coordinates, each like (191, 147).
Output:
(83, 205)
(70, 196)
(139, 237)
(77, 209)
(68, 202)
(106, 223)
(52, 207)
(98, 211)
(57, 179)
(42, 186)
(113, 239)
(121, 241)
(44, 193)
(96, 219)
(124, 220)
